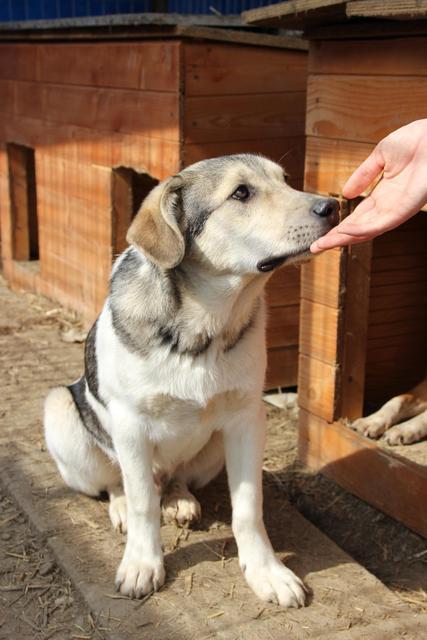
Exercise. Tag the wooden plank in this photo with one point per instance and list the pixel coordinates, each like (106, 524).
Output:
(398, 276)
(84, 146)
(402, 9)
(287, 151)
(87, 183)
(245, 37)
(367, 29)
(282, 326)
(296, 14)
(211, 70)
(413, 294)
(389, 482)
(239, 118)
(153, 114)
(329, 163)
(355, 329)
(318, 387)
(7, 97)
(321, 278)
(18, 61)
(393, 57)
(319, 330)
(146, 66)
(284, 287)
(282, 367)
(347, 107)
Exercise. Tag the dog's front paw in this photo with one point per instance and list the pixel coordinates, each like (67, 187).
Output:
(182, 509)
(137, 578)
(405, 433)
(117, 510)
(371, 426)
(273, 582)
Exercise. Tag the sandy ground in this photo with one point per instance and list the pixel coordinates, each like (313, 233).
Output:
(38, 599)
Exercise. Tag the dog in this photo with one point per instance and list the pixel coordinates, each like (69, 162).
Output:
(175, 364)
(402, 420)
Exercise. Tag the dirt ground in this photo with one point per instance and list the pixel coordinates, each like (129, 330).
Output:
(38, 599)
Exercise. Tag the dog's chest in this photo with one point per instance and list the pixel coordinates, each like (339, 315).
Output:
(181, 428)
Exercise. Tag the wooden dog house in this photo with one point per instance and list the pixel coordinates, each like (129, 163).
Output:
(363, 333)
(93, 113)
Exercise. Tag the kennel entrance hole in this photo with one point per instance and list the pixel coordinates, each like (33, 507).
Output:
(128, 190)
(23, 202)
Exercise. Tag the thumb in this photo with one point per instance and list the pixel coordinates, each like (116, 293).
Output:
(364, 175)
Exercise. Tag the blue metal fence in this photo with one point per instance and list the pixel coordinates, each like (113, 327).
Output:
(11, 10)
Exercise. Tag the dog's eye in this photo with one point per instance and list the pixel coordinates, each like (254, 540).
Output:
(285, 176)
(241, 193)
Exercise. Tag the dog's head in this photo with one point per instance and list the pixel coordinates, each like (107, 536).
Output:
(234, 213)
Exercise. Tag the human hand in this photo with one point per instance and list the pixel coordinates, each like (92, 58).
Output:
(402, 191)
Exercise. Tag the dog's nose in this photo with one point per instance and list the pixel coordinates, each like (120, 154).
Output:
(326, 207)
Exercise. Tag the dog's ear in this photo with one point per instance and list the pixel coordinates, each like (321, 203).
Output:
(155, 230)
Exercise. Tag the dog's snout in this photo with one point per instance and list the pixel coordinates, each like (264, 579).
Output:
(326, 207)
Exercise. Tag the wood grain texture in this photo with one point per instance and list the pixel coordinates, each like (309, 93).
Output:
(330, 162)
(212, 70)
(393, 57)
(145, 66)
(296, 14)
(362, 108)
(318, 387)
(275, 115)
(84, 146)
(355, 329)
(18, 62)
(319, 331)
(404, 9)
(388, 482)
(153, 114)
(284, 287)
(282, 326)
(321, 279)
(282, 367)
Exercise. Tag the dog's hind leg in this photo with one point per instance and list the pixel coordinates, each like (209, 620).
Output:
(178, 503)
(82, 464)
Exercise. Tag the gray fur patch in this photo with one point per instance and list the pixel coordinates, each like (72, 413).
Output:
(91, 363)
(87, 414)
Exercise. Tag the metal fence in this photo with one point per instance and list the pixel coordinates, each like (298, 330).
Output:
(12, 10)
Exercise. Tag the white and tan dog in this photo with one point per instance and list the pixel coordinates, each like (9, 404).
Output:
(174, 365)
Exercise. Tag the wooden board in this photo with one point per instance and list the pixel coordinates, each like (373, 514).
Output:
(390, 483)
(361, 108)
(330, 162)
(231, 70)
(320, 280)
(319, 326)
(393, 57)
(297, 13)
(402, 9)
(154, 114)
(282, 367)
(275, 115)
(284, 287)
(355, 329)
(85, 146)
(318, 387)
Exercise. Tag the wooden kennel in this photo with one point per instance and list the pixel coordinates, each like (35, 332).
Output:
(92, 117)
(363, 332)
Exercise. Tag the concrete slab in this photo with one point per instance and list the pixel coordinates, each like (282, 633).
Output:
(205, 595)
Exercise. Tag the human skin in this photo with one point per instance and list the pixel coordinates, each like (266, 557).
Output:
(401, 158)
